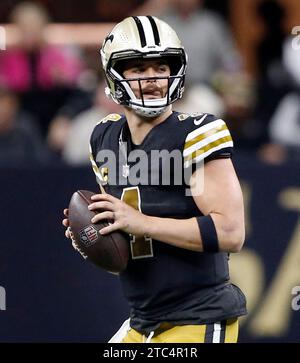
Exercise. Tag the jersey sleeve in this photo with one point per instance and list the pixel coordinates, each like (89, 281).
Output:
(210, 140)
(93, 154)
(96, 141)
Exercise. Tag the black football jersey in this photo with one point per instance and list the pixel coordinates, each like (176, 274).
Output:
(164, 283)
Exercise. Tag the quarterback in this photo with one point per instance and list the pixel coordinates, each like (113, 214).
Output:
(177, 281)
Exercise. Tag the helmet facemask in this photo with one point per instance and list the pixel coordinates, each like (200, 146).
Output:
(124, 95)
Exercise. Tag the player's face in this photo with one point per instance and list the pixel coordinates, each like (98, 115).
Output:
(151, 88)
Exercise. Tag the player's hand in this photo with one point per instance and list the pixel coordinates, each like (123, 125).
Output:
(123, 216)
(69, 235)
(65, 223)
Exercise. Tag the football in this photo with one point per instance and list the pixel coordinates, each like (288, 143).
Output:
(110, 252)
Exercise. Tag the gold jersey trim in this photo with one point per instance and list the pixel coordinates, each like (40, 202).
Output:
(111, 117)
(204, 136)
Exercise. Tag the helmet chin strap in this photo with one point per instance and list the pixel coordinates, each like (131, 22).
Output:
(148, 112)
(140, 110)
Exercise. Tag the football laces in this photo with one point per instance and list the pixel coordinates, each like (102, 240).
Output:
(75, 246)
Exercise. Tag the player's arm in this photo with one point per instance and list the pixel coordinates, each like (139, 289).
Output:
(221, 199)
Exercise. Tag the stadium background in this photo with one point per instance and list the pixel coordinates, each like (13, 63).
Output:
(52, 295)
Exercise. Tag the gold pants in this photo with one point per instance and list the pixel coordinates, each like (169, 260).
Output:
(220, 332)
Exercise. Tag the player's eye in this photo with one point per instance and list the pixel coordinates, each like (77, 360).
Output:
(163, 68)
(138, 69)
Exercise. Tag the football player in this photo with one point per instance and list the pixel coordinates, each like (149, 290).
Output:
(177, 281)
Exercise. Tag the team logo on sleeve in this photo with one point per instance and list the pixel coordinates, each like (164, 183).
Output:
(111, 117)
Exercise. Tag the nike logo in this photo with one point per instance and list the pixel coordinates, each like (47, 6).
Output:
(198, 122)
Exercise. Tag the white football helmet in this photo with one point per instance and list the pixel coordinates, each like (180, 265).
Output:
(143, 37)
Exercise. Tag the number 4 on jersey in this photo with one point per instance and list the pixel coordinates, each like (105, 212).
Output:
(141, 247)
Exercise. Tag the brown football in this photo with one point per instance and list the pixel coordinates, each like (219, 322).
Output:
(110, 252)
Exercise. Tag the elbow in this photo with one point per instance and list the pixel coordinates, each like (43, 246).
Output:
(232, 239)
(236, 244)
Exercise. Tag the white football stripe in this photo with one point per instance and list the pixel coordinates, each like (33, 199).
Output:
(205, 142)
(204, 128)
(147, 30)
(207, 153)
(217, 333)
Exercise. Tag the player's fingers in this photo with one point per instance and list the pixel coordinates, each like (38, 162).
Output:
(105, 196)
(66, 212)
(99, 197)
(101, 205)
(111, 228)
(65, 222)
(104, 215)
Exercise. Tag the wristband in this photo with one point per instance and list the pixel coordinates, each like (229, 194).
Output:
(208, 234)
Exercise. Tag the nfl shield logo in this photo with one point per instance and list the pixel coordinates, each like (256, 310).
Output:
(88, 236)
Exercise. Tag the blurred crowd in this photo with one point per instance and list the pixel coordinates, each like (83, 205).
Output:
(52, 96)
